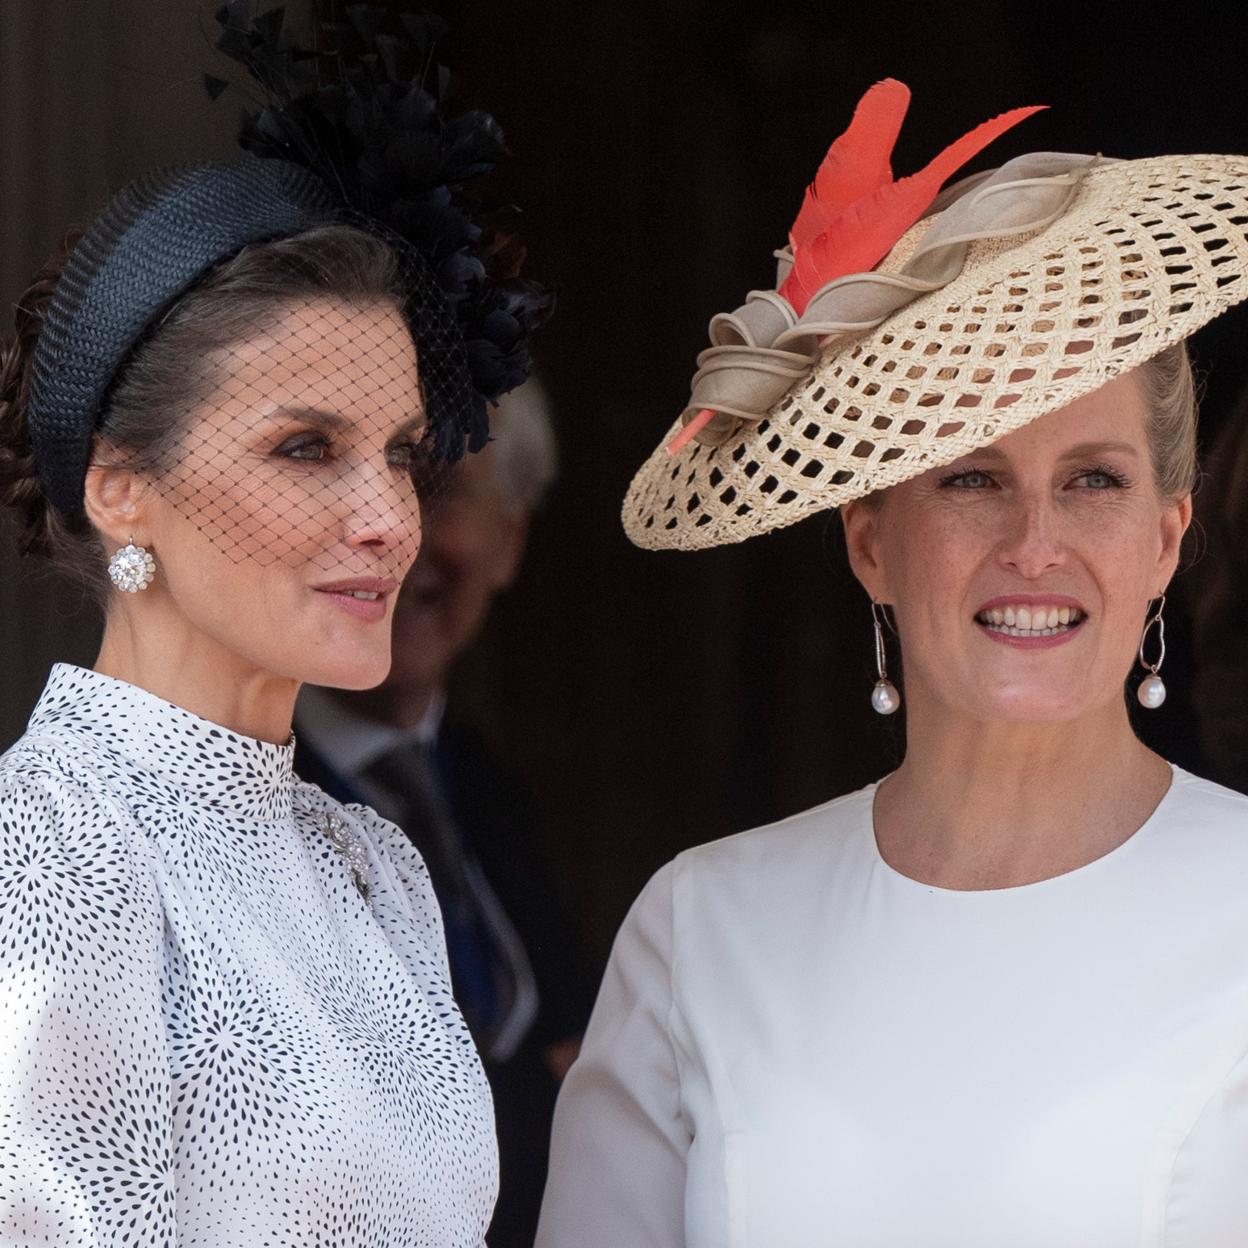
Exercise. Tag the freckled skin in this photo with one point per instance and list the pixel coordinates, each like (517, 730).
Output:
(1038, 512)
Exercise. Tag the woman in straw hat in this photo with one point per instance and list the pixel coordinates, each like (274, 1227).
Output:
(1000, 997)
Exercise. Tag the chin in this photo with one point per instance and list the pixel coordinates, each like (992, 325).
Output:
(361, 672)
(1034, 706)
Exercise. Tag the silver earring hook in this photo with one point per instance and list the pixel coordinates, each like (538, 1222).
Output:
(879, 618)
(884, 697)
(1154, 618)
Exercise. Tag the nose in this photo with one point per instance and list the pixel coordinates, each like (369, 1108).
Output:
(383, 513)
(1032, 543)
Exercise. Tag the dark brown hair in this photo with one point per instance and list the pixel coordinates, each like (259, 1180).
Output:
(173, 369)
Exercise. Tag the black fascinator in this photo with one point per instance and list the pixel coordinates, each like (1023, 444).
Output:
(349, 132)
(365, 111)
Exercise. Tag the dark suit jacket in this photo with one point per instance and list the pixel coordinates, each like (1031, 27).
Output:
(501, 826)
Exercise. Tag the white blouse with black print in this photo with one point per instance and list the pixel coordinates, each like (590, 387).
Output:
(209, 1034)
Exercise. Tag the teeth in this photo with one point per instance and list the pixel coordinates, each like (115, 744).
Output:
(1030, 621)
(363, 594)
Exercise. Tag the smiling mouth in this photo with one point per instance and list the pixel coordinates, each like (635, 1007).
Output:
(1037, 621)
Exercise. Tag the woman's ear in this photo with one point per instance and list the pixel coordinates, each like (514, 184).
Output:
(114, 500)
(1174, 523)
(861, 519)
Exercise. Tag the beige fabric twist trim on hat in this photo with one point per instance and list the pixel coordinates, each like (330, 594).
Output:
(1023, 290)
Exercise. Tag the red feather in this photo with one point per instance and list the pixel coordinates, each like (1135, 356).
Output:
(857, 162)
(867, 230)
(854, 213)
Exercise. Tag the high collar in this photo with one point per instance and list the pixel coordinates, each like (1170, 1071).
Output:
(211, 764)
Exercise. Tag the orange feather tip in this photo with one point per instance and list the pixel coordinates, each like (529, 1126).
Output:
(690, 431)
(859, 159)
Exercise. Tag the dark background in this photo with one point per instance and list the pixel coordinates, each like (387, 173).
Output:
(660, 152)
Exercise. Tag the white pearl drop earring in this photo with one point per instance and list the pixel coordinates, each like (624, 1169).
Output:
(884, 697)
(1152, 690)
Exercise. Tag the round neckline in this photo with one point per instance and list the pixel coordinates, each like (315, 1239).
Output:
(1140, 836)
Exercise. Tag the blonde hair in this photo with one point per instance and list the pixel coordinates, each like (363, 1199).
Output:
(1169, 391)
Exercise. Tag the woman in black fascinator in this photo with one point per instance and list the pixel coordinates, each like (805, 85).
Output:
(227, 1013)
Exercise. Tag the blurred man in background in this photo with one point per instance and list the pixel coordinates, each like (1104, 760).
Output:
(519, 972)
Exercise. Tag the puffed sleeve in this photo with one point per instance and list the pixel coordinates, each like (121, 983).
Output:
(85, 1115)
(618, 1156)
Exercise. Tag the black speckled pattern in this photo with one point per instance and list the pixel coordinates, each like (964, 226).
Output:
(207, 1037)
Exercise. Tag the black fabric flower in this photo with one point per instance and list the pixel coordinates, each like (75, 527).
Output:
(364, 110)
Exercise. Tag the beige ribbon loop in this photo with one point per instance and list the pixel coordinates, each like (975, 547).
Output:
(757, 323)
(738, 382)
(763, 348)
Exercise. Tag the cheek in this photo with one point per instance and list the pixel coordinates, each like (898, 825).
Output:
(459, 544)
(930, 557)
(250, 513)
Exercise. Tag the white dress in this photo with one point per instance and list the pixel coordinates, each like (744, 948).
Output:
(209, 1038)
(797, 1045)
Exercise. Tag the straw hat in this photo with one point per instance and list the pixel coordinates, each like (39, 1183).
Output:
(1022, 290)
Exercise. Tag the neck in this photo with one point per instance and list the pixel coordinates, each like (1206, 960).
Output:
(206, 679)
(992, 804)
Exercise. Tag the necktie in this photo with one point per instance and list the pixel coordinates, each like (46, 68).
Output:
(481, 973)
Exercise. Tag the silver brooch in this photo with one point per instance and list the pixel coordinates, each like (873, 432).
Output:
(350, 847)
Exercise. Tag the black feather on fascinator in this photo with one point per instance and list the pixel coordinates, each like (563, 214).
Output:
(363, 110)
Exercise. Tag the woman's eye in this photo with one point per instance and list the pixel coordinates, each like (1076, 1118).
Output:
(313, 449)
(1100, 479)
(401, 456)
(973, 479)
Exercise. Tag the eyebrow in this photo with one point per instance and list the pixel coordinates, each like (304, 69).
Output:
(1084, 450)
(335, 422)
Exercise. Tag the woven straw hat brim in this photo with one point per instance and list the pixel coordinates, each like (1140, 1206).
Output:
(1147, 252)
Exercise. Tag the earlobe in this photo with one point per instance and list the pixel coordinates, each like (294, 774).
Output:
(861, 522)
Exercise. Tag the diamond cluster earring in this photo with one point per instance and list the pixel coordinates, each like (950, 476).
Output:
(132, 568)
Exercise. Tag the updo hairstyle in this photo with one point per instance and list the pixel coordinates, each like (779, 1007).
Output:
(173, 370)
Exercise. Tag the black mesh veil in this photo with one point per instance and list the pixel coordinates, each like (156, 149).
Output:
(308, 335)
(315, 371)
(325, 432)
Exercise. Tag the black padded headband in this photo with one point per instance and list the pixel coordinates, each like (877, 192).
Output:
(152, 243)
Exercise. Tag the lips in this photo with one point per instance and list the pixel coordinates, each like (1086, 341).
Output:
(370, 586)
(1031, 619)
(362, 596)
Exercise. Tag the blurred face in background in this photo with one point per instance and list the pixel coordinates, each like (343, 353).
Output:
(472, 542)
